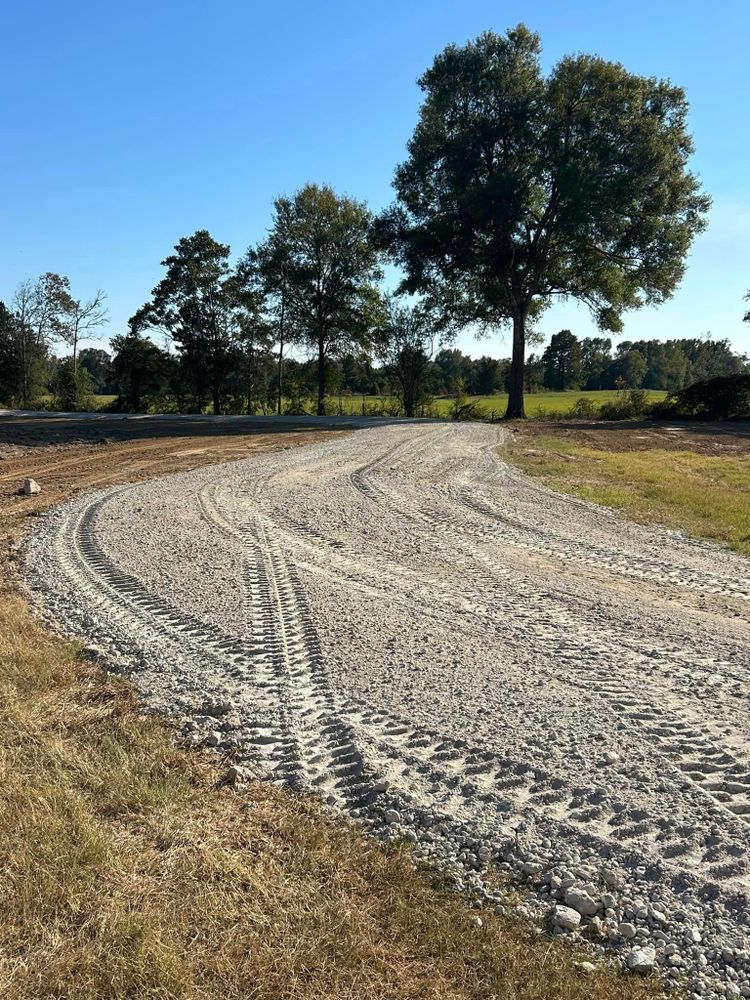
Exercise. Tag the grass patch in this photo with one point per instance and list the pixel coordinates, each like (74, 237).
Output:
(704, 495)
(540, 404)
(125, 871)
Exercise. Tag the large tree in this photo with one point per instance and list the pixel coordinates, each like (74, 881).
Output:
(519, 188)
(140, 369)
(596, 358)
(195, 304)
(320, 264)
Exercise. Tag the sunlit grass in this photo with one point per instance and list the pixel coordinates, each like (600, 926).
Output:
(702, 495)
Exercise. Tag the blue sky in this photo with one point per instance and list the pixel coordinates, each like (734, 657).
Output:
(125, 127)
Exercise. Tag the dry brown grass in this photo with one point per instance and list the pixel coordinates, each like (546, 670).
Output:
(126, 872)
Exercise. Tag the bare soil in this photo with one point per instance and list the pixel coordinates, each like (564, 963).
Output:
(703, 439)
(67, 456)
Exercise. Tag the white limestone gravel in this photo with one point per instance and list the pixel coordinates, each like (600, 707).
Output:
(450, 653)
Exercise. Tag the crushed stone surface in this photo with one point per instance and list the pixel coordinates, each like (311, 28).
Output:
(453, 654)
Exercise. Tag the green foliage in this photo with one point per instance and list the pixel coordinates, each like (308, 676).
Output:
(562, 362)
(98, 364)
(405, 345)
(74, 388)
(196, 304)
(320, 261)
(723, 398)
(519, 188)
(584, 409)
(630, 404)
(629, 369)
(10, 372)
(38, 310)
(141, 372)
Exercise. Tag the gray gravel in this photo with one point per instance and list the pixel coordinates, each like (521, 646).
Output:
(455, 655)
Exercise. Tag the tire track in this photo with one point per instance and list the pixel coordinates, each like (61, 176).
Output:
(124, 600)
(330, 760)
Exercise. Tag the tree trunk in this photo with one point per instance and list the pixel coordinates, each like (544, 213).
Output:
(216, 401)
(409, 395)
(281, 352)
(515, 410)
(321, 375)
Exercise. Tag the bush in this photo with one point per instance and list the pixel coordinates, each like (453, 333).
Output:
(584, 408)
(629, 405)
(726, 397)
(74, 388)
(385, 407)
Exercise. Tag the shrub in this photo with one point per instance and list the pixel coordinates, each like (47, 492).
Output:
(629, 405)
(584, 408)
(73, 388)
(726, 397)
(387, 406)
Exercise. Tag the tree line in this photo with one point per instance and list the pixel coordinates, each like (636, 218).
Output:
(518, 188)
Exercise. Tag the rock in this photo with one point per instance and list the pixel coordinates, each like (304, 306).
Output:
(611, 757)
(581, 901)
(626, 929)
(641, 959)
(531, 868)
(566, 918)
(214, 739)
(586, 967)
(30, 487)
(596, 928)
(477, 921)
(692, 935)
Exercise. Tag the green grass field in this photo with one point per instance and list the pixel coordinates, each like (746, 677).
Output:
(538, 404)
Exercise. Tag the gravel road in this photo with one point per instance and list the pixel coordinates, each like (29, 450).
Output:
(451, 653)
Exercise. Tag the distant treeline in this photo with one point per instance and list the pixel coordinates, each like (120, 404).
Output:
(141, 375)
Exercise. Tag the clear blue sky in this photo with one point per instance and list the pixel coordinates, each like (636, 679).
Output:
(127, 126)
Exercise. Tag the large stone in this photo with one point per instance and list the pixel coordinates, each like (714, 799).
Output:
(30, 487)
(642, 959)
(566, 918)
(580, 900)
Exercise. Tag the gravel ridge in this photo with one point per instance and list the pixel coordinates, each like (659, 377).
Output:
(450, 653)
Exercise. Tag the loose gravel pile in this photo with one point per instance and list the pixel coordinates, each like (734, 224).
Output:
(454, 655)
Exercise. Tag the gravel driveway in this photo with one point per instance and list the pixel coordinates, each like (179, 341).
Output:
(451, 653)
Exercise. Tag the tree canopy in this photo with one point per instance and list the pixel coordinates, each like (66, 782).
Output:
(520, 187)
(319, 258)
(195, 304)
